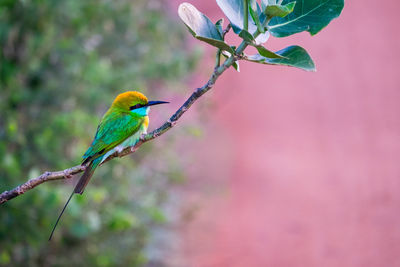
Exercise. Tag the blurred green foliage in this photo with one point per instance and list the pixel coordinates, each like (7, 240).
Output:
(61, 65)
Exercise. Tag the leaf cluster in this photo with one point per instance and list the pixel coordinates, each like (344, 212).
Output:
(255, 21)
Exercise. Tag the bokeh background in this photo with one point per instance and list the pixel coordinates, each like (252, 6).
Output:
(303, 168)
(273, 167)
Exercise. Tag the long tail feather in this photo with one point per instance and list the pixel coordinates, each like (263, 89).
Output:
(79, 188)
(59, 216)
(85, 178)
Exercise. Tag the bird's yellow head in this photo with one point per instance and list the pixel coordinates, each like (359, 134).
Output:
(134, 102)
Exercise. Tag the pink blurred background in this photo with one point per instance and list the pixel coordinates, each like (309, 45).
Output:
(299, 168)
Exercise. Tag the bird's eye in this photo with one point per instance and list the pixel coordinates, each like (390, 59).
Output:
(136, 106)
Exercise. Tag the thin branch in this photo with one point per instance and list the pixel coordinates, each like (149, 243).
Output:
(246, 15)
(45, 177)
(218, 59)
(171, 122)
(218, 55)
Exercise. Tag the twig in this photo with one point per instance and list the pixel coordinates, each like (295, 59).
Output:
(45, 177)
(218, 56)
(246, 15)
(50, 176)
(218, 59)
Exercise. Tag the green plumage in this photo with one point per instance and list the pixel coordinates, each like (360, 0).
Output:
(113, 129)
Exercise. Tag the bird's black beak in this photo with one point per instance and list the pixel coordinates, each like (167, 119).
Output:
(152, 103)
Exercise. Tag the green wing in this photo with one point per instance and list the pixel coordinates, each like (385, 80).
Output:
(113, 129)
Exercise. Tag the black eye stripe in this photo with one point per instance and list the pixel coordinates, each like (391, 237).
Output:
(136, 106)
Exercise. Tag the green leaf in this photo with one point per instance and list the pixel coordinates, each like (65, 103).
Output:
(279, 10)
(233, 10)
(245, 35)
(253, 8)
(234, 64)
(295, 56)
(219, 24)
(308, 15)
(267, 53)
(201, 27)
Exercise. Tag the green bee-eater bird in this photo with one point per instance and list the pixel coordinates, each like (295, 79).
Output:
(121, 126)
